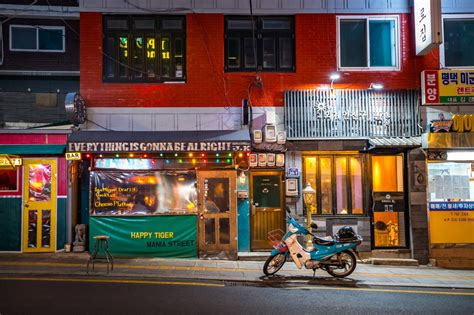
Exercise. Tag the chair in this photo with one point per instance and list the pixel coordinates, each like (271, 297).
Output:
(101, 243)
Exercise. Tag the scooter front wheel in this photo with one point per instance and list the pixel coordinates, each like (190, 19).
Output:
(274, 263)
(348, 264)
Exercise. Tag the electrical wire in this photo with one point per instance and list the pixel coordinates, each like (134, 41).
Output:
(98, 125)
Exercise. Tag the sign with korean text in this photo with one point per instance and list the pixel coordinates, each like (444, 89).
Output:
(447, 87)
(427, 20)
(451, 222)
(9, 162)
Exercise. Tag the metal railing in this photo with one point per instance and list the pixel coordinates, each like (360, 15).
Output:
(315, 114)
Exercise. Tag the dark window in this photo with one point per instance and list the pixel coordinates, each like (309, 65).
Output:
(458, 42)
(37, 38)
(144, 49)
(267, 46)
(366, 43)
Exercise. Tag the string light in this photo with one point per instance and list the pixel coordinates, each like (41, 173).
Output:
(176, 154)
(117, 155)
(144, 155)
(217, 154)
(88, 155)
(218, 161)
(190, 155)
(161, 154)
(205, 161)
(228, 160)
(194, 161)
(131, 155)
(100, 155)
(241, 154)
(167, 161)
(203, 155)
(180, 161)
(229, 155)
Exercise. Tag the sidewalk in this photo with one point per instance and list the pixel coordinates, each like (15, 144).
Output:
(74, 265)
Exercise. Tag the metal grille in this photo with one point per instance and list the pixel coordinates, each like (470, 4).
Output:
(315, 114)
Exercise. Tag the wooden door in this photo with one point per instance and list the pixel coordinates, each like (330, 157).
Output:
(39, 205)
(217, 214)
(267, 207)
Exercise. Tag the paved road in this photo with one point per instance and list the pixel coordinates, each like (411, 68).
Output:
(118, 296)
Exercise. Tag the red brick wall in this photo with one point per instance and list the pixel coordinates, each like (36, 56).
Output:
(208, 85)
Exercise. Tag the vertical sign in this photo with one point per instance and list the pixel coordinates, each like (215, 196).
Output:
(429, 87)
(427, 15)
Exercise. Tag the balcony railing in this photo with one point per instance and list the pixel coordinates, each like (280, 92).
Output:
(316, 114)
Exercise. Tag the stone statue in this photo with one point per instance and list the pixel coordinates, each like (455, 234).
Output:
(80, 240)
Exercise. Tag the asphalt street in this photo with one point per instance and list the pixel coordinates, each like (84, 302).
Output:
(34, 295)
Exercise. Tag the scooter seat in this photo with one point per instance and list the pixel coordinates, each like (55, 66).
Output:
(322, 241)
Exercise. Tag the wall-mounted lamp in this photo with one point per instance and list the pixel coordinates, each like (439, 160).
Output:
(333, 77)
(375, 86)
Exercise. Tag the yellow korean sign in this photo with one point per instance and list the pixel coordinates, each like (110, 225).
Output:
(447, 87)
(10, 162)
(73, 156)
(455, 226)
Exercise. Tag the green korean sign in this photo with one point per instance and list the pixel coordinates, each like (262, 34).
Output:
(147, 236)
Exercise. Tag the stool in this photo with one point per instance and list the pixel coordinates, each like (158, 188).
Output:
(101, 242)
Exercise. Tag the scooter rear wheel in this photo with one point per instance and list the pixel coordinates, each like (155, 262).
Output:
(274, 263)
(348, 264)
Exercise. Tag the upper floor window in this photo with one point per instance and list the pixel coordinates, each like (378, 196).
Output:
(458, 42)
(368, 43)
(37, 38)
(267, 44)
(144, 48)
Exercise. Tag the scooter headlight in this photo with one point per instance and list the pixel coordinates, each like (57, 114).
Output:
(292, 228)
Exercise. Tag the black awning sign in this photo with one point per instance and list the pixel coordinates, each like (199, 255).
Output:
(112, 147)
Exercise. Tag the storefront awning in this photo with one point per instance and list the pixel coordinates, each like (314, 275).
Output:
(160, 141)
(32, 148)
(395, 142)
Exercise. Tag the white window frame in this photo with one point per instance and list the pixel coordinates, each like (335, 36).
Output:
(395, 18)
(442, 63)
(38, 27)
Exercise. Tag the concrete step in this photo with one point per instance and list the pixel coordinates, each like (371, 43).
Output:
(394, 261)
(391, 253)
(253, 256)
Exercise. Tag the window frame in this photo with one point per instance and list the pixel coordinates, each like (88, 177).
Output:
(38, 28)
(367, 19)
(260, 34)
(333, 157)
(17, 183)
(131, 33)
(442, 56)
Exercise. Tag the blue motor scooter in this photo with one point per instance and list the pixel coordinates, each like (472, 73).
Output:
(336, 256)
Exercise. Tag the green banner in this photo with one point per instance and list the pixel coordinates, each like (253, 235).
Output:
(147, 236)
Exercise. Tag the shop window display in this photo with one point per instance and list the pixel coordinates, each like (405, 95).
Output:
(143, 193)
(8, 180)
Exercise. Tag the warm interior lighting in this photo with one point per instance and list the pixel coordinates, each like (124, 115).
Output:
(460, 155)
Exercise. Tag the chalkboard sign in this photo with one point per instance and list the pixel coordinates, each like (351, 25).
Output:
(388, 202)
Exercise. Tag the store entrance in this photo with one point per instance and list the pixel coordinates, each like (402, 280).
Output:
(217, 214)
(267, 207)
(39, 208)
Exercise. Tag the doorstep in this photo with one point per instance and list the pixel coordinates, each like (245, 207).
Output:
(253, 256)
(393, 261)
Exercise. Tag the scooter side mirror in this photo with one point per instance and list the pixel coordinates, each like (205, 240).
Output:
(314, 225)
(288, 210)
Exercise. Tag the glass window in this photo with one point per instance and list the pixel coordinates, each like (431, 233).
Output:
(23, 38)
(368, 42)
(143, 193)
(8, 180)
(458, 42)
(353, 44)
(342, 206)
(382, 43)
(268, 46)
(338, 183)
(39, 182)
(387, 173)
(451, 181)
(326, 185)
(356, 185)
(144, 52)
(37, 38)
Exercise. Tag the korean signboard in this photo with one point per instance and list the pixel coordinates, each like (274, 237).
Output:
(427, 15)
(451, 222)
(9, 162)
(447, 87)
